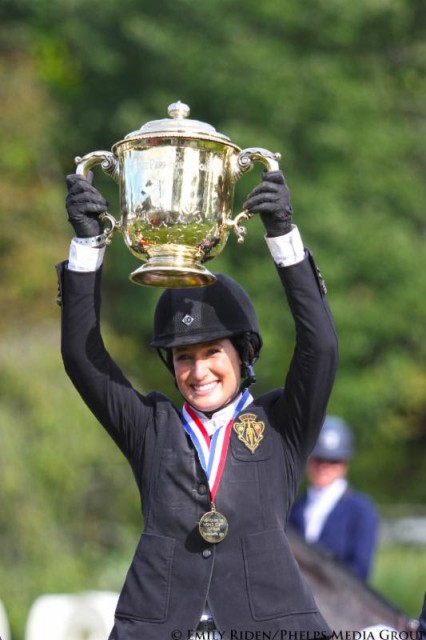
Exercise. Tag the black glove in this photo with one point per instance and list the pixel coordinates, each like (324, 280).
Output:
(271, 199)
(84, 204)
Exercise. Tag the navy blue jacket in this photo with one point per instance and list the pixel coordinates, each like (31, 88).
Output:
(251, 580)
(349, 533)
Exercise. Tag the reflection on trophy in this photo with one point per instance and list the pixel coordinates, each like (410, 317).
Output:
(176, 178)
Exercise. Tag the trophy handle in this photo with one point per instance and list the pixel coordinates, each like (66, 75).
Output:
(245, 161)
(111, 167)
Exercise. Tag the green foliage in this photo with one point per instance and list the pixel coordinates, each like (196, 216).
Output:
(338, 88)
(399, 575)
(69, 506)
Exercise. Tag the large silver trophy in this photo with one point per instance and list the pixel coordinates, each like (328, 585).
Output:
(176, 178)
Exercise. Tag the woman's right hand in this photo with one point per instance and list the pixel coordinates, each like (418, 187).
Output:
(84, 205)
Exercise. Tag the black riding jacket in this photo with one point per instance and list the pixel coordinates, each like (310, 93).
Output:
(250, 580)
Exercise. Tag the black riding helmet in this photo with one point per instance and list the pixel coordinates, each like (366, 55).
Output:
(186, 316)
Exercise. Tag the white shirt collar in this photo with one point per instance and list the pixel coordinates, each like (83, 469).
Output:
(320, 503)
(219, 417)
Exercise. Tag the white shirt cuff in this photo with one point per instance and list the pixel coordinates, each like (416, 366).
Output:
(285, 250)
(288, 249)
(83, 258)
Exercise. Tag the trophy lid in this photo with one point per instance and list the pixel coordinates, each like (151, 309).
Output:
(179, 124)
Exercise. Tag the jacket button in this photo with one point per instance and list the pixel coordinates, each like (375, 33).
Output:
(202, 489)
(207, 553)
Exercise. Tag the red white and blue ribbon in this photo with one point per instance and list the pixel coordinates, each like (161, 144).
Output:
(212, 452)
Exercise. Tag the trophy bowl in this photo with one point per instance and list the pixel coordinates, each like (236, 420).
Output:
(176, 179)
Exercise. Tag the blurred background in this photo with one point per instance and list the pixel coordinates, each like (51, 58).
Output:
(339, 89)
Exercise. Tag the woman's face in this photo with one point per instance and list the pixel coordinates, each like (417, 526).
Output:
(207, 374)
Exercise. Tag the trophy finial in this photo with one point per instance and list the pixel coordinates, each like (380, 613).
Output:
(178, 110)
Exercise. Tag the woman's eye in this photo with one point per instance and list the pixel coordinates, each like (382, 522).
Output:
(213, 350)
(181, 357)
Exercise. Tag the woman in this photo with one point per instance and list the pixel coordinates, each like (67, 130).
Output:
(218, 476)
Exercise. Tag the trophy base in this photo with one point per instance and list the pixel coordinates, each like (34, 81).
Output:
(172, 274)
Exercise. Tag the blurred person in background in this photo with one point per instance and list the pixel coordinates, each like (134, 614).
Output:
(330, 513)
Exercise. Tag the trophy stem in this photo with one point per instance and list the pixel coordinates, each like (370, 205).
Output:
(172, 271)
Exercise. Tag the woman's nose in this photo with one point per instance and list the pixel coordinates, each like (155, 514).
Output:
(199, 368)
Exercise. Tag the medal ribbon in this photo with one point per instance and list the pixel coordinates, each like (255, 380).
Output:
(212, 453)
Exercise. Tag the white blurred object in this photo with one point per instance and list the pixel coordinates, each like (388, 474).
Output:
(4, 623)
(83, 616)
(408, 530)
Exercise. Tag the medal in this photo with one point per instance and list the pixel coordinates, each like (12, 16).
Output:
(213, 526)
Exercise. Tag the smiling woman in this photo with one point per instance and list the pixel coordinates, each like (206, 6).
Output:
(208, 375)
(218, 476)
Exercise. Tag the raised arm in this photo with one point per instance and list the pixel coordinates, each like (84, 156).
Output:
(300, 409)
(100, 382)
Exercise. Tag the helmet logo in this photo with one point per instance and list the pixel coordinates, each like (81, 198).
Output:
(188, 320)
